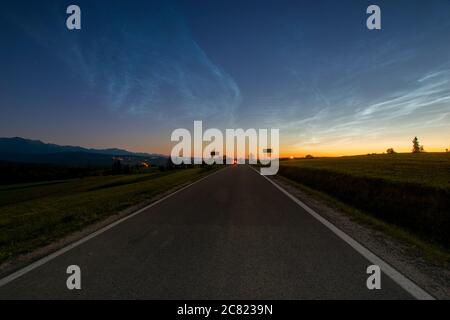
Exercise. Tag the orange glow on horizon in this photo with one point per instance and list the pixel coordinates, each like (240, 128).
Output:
(433, 142)
(349, 152)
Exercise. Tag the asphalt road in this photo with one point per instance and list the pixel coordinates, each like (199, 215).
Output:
(232, 235)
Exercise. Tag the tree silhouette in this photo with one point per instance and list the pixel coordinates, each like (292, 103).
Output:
(417, 148)
(169, 164)
(117, 167)
(390, 151)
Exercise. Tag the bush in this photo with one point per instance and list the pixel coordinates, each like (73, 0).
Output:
(390, 151)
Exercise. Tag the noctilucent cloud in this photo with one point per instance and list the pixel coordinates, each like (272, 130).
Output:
(139, 69)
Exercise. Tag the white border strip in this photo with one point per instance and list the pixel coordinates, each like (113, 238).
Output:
(396, 276)
(52, 256)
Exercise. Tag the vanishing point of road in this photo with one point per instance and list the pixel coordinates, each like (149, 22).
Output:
(232, 235)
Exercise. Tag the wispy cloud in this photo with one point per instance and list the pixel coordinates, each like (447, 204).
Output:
(152, 69)
(323, 82)
(428, 99)
(170, 78)
(369, 92)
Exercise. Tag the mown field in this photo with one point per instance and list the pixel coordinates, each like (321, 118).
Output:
(408, 190)
(35, 214)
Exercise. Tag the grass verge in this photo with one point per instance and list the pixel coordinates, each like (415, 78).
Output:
(34, 215)
(406, 190)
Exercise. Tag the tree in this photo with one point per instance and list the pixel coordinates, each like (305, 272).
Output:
(117, 167)
(390, 151)
(169, 164)
(417, 148)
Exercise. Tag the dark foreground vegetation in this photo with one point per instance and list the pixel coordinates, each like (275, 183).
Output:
(23, 172)
(16, 172)
(411, 191)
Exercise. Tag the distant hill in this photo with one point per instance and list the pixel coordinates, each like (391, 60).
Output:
(35, 151)
(27, 146)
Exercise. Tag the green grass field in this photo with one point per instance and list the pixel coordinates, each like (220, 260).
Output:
(428, 169)
(408, 190)
(33, 215)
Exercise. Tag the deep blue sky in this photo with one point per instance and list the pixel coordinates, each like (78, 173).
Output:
(139, 69)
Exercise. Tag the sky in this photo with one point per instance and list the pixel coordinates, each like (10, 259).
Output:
(137, 70)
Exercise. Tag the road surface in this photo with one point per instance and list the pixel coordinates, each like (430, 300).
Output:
(233, 235)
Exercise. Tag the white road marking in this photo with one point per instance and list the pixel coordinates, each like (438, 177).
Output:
(52, 256)
(392, 273)
(396, 276)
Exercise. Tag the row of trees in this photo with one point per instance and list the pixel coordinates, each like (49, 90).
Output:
(417, 147)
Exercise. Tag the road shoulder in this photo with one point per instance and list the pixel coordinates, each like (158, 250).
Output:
(433, 276)
(15, 264)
